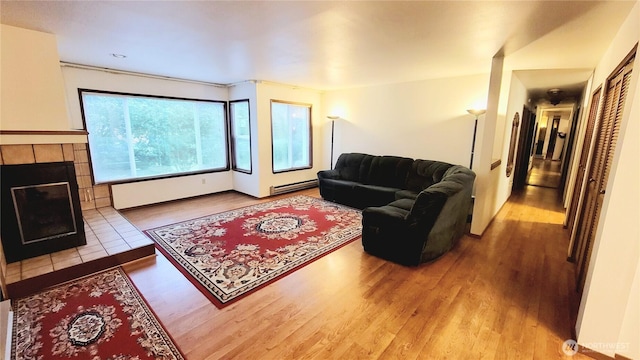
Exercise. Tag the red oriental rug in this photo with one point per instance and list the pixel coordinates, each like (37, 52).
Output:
(97, 317)
(231, 254)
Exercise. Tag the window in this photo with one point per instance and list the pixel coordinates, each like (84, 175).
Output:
(290, 136)
(139, 137)
(240, 135)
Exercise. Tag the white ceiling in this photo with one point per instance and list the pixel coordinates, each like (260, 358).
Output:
(329, 44)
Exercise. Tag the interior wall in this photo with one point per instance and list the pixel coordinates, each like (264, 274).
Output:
(609, 285)
(423, 119)
(265, 92)
(248, 183)
(30, 74)
(518, 98)
(150, 191)
(493, 187)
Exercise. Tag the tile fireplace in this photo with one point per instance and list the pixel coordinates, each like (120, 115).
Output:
(41, 211)
(110, 239)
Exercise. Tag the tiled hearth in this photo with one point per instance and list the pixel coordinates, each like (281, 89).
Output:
(111, 239)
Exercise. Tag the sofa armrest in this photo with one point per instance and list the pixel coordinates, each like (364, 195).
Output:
(328, 174)
(427, 207)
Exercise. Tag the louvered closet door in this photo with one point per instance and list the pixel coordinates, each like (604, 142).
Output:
(608, 132)
(582, 165)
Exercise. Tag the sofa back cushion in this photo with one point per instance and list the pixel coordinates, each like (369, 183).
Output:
(390, 171)
(424, 173)
(353, 166)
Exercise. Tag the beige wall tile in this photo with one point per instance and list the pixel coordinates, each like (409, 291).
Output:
(67, 152)
(17, 154)
(102, 202)
(86, 181)
(87, 205)
(48, 152)
(81, 156)
(101, 191)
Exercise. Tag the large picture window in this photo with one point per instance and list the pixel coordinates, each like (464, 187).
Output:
(240, 135)
(139, 137)
(290, 136)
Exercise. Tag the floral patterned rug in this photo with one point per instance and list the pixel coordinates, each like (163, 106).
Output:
(231, 254)
(98, 317)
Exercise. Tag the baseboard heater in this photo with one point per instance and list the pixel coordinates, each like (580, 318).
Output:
(300, 185)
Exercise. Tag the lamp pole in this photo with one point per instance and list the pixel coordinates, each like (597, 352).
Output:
(477, 113)
(473, 142)
(333, 124)
(333, 119)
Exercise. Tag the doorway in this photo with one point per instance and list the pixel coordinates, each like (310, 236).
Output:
(543, 147)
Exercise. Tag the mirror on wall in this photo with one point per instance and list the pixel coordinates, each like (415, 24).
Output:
(512, 143)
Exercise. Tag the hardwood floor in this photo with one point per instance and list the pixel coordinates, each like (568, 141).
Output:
(545, 173)
(507, 295)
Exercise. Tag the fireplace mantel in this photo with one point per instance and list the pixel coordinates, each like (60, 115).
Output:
(20, 137)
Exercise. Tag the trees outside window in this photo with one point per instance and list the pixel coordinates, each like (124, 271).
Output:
(140, 137)
(290, 136)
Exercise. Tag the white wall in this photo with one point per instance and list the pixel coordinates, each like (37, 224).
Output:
(243, 182)
(423, 119)
(30, 74)
(265, 92)
(151, 191)
(608, 293)
(507, 96)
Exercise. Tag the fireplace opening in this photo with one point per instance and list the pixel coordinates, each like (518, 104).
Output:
(41, 210)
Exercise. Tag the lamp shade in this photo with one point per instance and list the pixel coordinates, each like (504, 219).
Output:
(476, 112)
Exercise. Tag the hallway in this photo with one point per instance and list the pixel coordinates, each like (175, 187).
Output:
(545, 173)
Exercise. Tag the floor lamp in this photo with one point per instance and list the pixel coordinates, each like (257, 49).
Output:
(333, 119)
(477, 113)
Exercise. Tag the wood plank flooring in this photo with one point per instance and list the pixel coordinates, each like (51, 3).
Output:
(507, 295)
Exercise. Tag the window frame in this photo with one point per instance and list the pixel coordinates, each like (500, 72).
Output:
(232, 142)
(310, 110)
(155, 177)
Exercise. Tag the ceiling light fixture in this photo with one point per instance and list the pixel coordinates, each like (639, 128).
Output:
(555, 96)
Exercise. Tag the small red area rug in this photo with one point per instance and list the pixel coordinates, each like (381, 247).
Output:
(231, 254)
(99, 317)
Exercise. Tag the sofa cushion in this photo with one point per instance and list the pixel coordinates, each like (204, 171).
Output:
(424, 173)
(390, 171)
(407, 194)
(353, 166)
(336, 190)
(404, 204)
(373, 195)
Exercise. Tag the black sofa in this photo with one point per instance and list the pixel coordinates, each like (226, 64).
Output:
(413, 210)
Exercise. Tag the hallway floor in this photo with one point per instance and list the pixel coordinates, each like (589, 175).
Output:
(545, 173)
